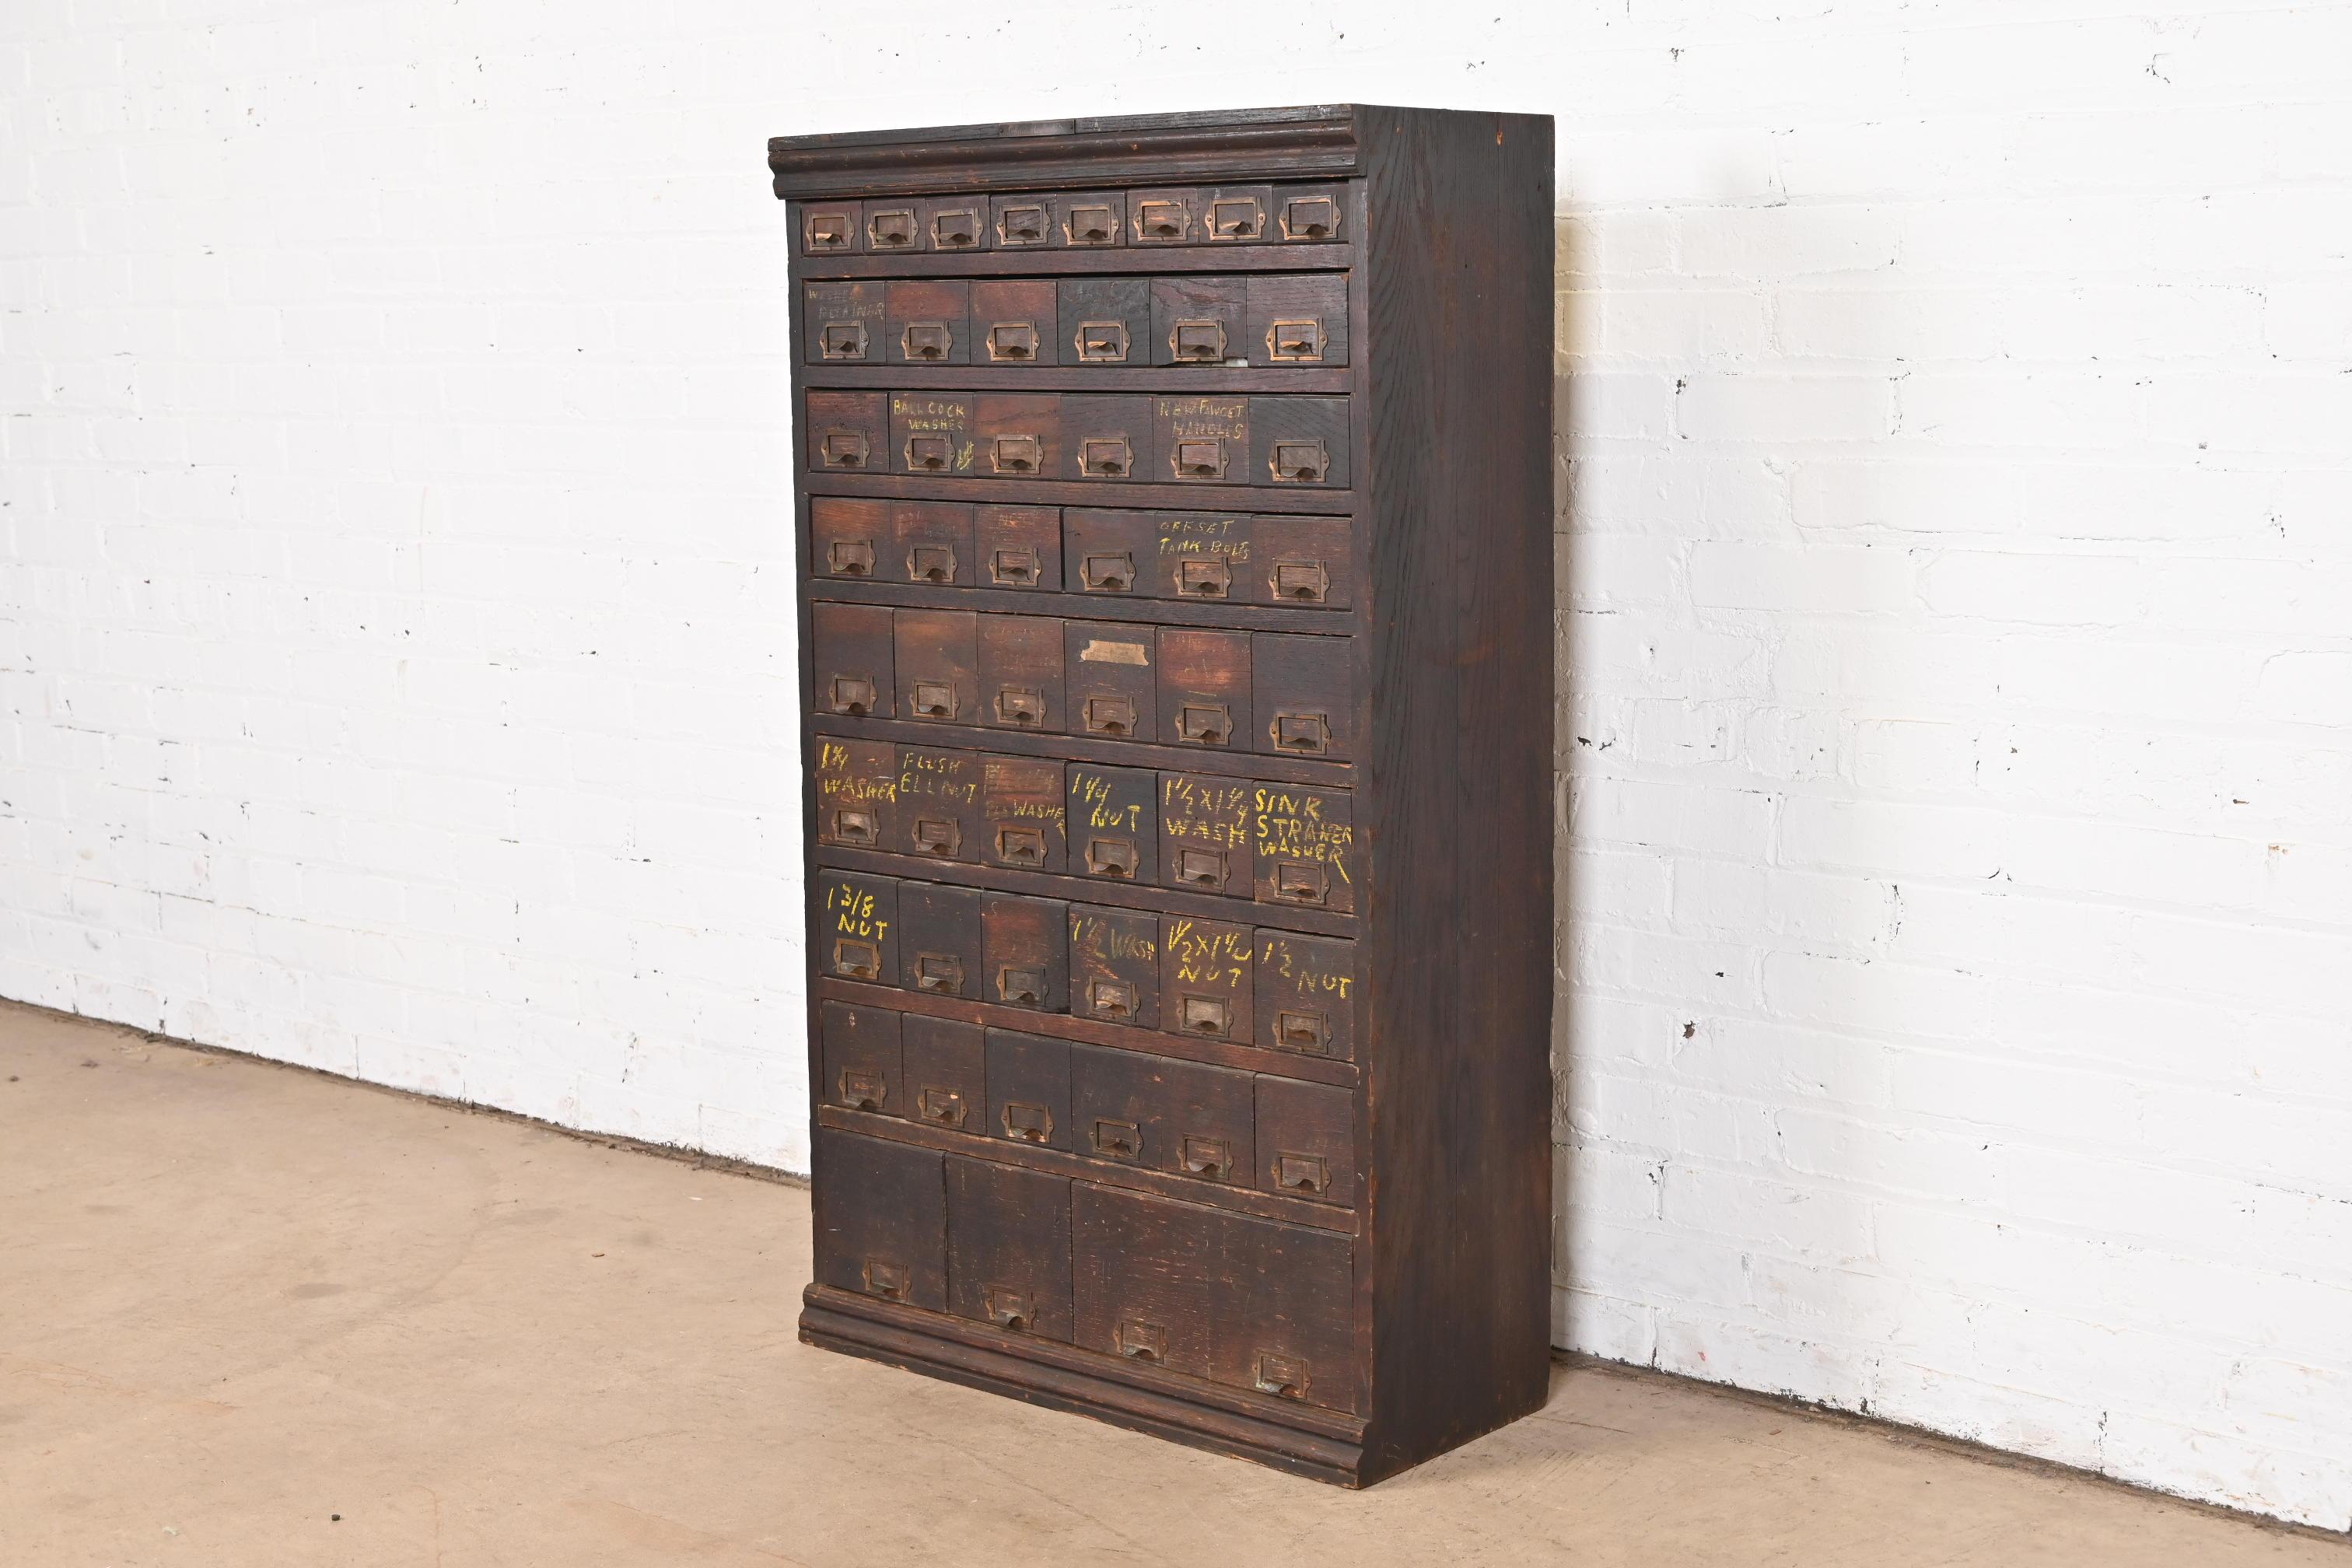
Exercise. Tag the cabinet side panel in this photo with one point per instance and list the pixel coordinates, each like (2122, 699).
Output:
(1457, 816)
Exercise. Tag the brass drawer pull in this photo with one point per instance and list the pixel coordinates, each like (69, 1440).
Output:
(1118, 1140)
(1199, 460)
(1204, 724)
(891, 230)
(1112, 858)
(1308, 734)
(1310, 217)
(1101, 343)
(1022, 225)
(1203, 579)
(934, 835)
(1020, 568)
(1110, 715)
(1009, 1309)
(1020, 986)
(1113, 999)
(935, 700)
(1299, 462)
(1016, 454)
(940, 1107)
(1198, 342)
(1295, 341)
(1106, 457)
(957, 228)
(1013, 340)
(840, 340)
(846, 449)
(932, 563)
(1302, 1174)
(1303, 580)
(1201, 867)
(855, 827)
(1206, 1015)
(1092, 223)
(886, 1279)
(1295, 883)
(1017, 846)
(1282, 1376)
(941, 974)
(926, 340)
(853, 695)
(1236, 217)
(1107, 574)
(861, 1089)
(1020, 705)
(1028, 1123)
(1302, 1031)
(1161, 220)
(930, 454)
(827, 231)
(850, 557)
(856, 959)
(1140, 1340)
(1210, 1158)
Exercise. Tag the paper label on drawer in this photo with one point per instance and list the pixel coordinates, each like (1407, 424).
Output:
(1097, 651)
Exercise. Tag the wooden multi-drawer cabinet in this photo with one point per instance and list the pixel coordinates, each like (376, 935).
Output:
(1174, 527)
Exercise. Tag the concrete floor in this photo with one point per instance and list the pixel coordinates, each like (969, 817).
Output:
(237, 1301)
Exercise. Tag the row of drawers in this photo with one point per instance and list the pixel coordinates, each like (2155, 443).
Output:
(1248, 1303)
(1278, 843)
(1210, 980)
(1215, 1125)
(1262, 319)
(1189, 438)
(1279, 693)
(1165, 215)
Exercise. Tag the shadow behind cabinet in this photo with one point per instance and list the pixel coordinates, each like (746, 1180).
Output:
(1174, 509)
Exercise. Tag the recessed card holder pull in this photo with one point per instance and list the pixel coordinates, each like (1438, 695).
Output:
(1300, 462)
(1302, 1031)
(932, 563)
(1161, 220)
(1092, 223)
(1014, 341)
(1018, 568)
(1112, 574)
(1106, 457)
(861, 1089)
(930, 454)
(1204, 579)
(1112, 999)
(1021, 845)
(1022, 224)
(892, 229)
(1110, 715)
(1023, 705)
(1111, 857)
(1206, 1016)
(940, 1107)
(1023, 986)
(1302, 1174)
(842, 340)
(1199, 460)
(850, 557)
(927, 341)
(1012, 1310)
(1204, 724)
(1236, 217)
(1117, 1140)
(941, 974)
(935, 700)
(1016, 454)
(1201, 867)
(1295, 882)
(828, 231)
(846, 449)
(1197, 342)
(1028, 1123)
(1140, 1340)
(1101, 343)
(937, 836)
(1282, 1376)
(1310, 217)
(856, 827)
(886, 1279)
(853, 695)
(1210, 1158)
(1305, 581)
(1294, 342)
(1307, 733)
(957, 228)
(855, 960)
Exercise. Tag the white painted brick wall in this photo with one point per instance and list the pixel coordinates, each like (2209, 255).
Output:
(1956, 614)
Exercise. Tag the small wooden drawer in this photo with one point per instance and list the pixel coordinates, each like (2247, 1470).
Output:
(1112, 552)
(1201, 439)
(1009, 1247)
(881, 1219)
(851, 539)
(1022, 813)
(1168, 216)
(1115, 965)
(1105, 321)
(1027, 943)
(956, 223)
(939, 939)
(1016, 434)
(1204, 687)
(1304, 695)
(1018, 547)
(1024, 222)
(1028, 1090)
(1296, 318)
(1109, 669)
(893, 224)
(1106, 439)
(1092, 218)
(937, 812)
(831, 228)
(1311, 215)
(1306, 1140)
(1112, 823)
(1015, 321)
(946, 1074)
(931, 433)
(1303, 847)
(1183, 1118)
(1298, 560)
(846, 432)
(844, 324)
(1306, 995)
(1207, 989)
(938, 659)
(1198, 320)
(857, 791)
(852, 659)
(860, 1051)
(928, 321)
(1205, 833)
(1299, 442)
(857, 926)
(1020, 685)
(931, 540)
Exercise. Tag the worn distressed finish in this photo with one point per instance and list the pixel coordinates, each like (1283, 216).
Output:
(1177, 593)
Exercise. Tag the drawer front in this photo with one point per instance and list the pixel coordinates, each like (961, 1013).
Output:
(946, 1073)
(1017, 435)
(1028, 1090)
(893, 224)
(1310, 215)
(1115, 965)
(931, 540)
(1022, 813)
(1207, 556)
(1186, 1119)
(1306, 1140)
(1106, 321)
(1305, 994)
(854, 660)
(881, 1219)
(848, 432)
(861, 1056)
(1304, 695)
(1204, 687)
(1023, 223)
(1304, 560)
(852, 540)
(1021, 673)
(1199, 320)
(1111, 671)
(844, 323)
(1201, 439)
(1018, 546)
(1009, 1247)
(932, 432)
(1113, 831)
(1014, 322)
(1093, 219)
(1302, 846)
(1027, 943)
(939, 939)
(1205, 833)
(929, 322)
(1245, 1303)
(831, 228)
(1111, 553)
(1299, 443)
(1106, 440)
(1207, 988)
(857, 793)
(856, 924)
(1296, 318)
(938, 659)
(937, 804)
(955, 223)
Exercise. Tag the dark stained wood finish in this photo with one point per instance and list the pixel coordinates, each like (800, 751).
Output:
(1237, 1129)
